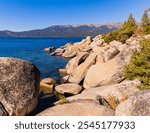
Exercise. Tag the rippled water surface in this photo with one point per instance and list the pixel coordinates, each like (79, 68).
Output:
(31, 49)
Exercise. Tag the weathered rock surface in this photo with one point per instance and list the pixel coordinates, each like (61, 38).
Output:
(99, 59)
(58, 52)
(75, 62)
(49, 81)
(109, 72)
(101, 74)
(136, 105)
(47, 85)
(110, 53)
(79, 73)
(3, 112)
(46, 88)
(98, 50)
(19, 86)
(68, 88)
(64, 79)
(71, 51)
(115, 44)
(114, 94)
(69, 54)
(97, 43)
(80, 108)
(99, 67)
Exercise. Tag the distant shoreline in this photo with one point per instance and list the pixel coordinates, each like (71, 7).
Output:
(48, 37)
(64, 31)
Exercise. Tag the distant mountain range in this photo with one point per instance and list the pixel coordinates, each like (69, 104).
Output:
(65, 31)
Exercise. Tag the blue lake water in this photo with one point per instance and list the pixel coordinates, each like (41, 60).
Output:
(31, 49)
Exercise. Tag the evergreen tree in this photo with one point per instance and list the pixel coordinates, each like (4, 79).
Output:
(146, 22)
(126, 31)
(139, 68)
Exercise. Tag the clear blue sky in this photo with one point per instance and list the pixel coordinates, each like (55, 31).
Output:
(18, 15)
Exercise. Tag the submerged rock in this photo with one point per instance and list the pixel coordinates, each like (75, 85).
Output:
(19, 86)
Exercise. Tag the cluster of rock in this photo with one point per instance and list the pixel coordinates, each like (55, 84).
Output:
(94, 78)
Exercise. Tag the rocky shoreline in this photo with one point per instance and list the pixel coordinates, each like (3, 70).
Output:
(92, 82)
(94, 77)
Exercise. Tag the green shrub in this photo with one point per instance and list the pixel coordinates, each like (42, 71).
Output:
(140, 66)
(125, 32)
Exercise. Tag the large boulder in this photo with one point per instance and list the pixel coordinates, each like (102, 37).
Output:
(110, 53)
(115, 43)
(97, 43)
(110, 72)
(98, 37)
(70, 51)
(19, 86)
(85, 48)
(66, 46)
(69, 54)
(136, 105)
(68, 88)
(75, 62)
(80, 108)
(98, 50)
(101, 74)
(79, 73)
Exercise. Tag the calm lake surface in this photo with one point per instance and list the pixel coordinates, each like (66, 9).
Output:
(31, 49)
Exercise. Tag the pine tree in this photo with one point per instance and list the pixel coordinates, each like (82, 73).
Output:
(139, 68)
(146, 22)
(126, 31)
